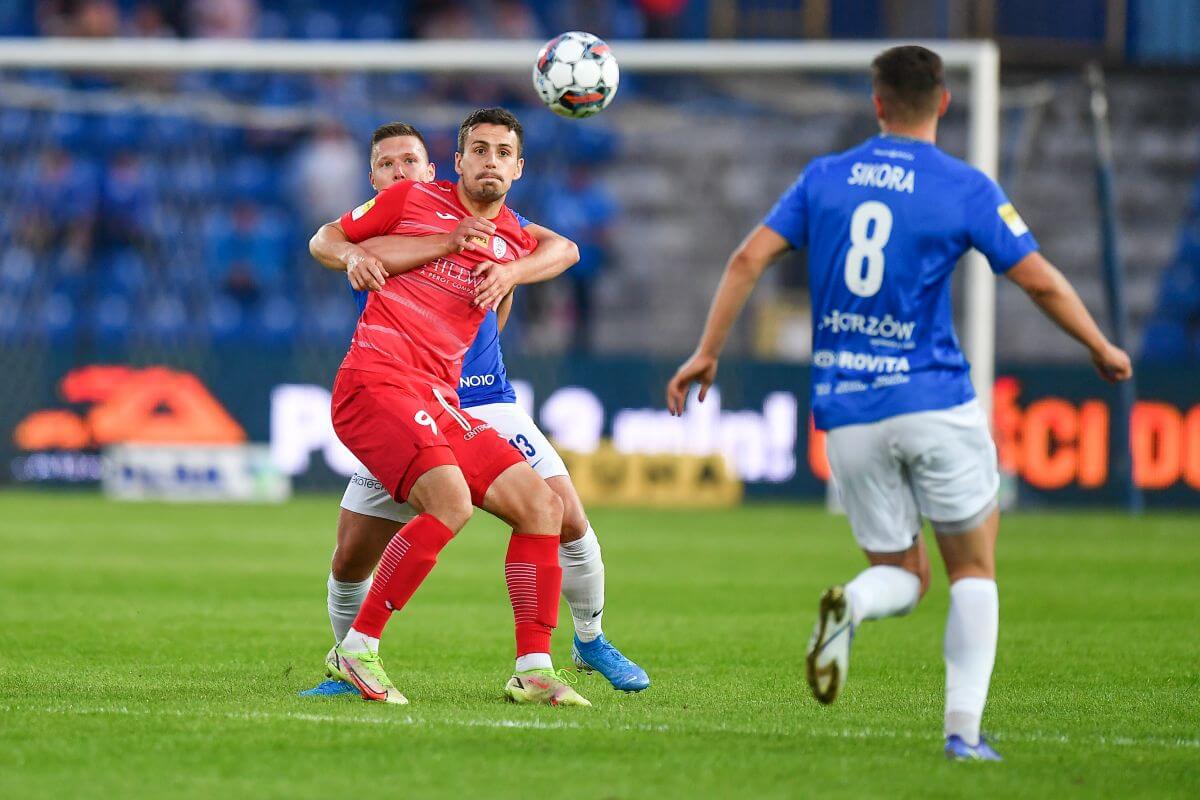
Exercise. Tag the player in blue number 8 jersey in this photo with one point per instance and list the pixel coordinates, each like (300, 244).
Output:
(885, 224)
(369, 516)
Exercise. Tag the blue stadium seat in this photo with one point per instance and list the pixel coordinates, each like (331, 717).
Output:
(18, 269)
(250, 177)
(57, 318)
(124, 272)
(165, 316)
(225, 319)
(276, 320)
(122, 131)
(170, 134)
(272, 24)
(67, 130)
(375, 25)
(110, 317)
(16, 126)
(317, 24)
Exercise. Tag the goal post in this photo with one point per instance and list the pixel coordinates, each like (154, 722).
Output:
(978, 60)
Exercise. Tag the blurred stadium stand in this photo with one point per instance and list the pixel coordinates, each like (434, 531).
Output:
(186, 222)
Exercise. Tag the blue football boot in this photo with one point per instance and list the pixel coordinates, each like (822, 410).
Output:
(601, 656)
(959, 750)
(329, 689)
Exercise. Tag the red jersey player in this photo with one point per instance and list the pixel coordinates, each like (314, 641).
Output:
(395, 407)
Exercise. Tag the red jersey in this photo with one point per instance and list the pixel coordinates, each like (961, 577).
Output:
(423, 321)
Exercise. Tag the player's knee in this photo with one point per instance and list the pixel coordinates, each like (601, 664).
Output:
(980, 568)
(540, 511)
(574, 520)
(349, 567)
(452, 508)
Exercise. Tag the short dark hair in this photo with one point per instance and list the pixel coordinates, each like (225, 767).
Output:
(491, 116)
(393, 129)
(908, 80)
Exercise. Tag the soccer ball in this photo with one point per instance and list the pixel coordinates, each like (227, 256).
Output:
(576, 75)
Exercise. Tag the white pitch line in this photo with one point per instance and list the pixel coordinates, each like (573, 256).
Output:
(1029, 737)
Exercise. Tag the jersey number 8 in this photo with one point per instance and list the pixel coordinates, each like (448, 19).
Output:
(870, 229)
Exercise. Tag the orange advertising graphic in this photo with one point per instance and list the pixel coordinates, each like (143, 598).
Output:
(1053, 443)
(154, 405)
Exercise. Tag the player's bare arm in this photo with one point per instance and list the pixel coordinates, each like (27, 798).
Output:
(1059, 301)
(330, 247)
(554, 255)
(368, 264)
(745, 267)
(503, 311)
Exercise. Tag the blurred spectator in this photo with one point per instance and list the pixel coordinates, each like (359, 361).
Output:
(155, 19)
(246, 251)
(330, 175)
(1172, 336)
(512, 19)
(127, 198)
(583, 210)
(662, 17)
(446, 19)
(223, 19)
(61, 211)
(87, 18)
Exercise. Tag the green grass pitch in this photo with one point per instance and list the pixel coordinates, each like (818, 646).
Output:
(156, 651)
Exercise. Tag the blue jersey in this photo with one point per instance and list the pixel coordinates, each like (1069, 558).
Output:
(885, 224)
(484, 378)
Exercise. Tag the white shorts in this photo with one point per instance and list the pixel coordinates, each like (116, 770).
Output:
(937, 464)
(366, 495)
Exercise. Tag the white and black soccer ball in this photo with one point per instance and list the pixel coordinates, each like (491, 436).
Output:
(576, 75)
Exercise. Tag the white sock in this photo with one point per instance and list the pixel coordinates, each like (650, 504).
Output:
(970, 650)
(534, 661)
(355, 642)
(882, 591)
(583, 583)
(344, 598)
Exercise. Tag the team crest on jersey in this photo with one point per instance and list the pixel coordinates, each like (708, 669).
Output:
(364, 208)
(499, 247)
(1012, 219)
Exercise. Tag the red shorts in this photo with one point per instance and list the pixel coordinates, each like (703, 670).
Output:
(400, 430)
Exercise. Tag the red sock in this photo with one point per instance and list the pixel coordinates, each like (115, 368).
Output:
(407, 559)
(534, 580)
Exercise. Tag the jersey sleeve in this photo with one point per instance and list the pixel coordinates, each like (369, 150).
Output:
(995, 227)
(789, 217)
(524, 223)
(378, 216)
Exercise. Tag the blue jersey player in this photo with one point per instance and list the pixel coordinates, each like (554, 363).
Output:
(885, 224)
(369, 516)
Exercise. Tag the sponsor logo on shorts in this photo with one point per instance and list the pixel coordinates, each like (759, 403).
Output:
(367, 483)
(478, 429)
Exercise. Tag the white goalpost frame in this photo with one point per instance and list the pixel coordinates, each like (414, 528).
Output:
(980, 60)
